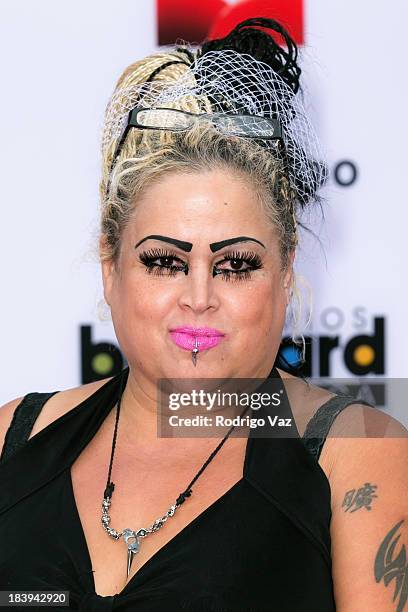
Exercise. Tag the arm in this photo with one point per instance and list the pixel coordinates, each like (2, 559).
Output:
(369, 528)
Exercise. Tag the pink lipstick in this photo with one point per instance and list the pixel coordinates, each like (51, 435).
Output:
(207, 337)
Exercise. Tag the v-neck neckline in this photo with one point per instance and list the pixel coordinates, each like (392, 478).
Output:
(163, 549)
(194, 523)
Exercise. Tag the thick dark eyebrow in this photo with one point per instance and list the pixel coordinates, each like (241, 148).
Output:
(185, 246)
(216, 246)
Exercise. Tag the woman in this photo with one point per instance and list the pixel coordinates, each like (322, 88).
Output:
(198, 237)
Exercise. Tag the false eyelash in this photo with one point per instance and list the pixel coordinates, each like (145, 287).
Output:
(248, 257)
(148, 257)
(235, 275)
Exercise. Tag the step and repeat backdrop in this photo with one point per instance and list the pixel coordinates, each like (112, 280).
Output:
(60, 62)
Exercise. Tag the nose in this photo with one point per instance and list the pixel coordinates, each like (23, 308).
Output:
(199, 291)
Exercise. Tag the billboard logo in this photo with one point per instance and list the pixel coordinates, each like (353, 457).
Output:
(362, 354)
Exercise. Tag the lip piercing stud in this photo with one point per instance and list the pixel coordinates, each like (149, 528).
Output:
(194, 352)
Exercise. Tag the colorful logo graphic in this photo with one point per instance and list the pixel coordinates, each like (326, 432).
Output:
(196, 21)
(98, 360)
(362, 354)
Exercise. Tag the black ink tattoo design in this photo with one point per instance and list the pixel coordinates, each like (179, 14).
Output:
(388, 568)
(361, 498)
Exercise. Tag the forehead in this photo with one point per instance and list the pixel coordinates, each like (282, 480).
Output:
(209, 205)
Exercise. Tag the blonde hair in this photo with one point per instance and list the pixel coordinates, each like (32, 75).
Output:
(147, 155)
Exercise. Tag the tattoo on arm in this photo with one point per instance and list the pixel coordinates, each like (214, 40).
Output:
(360, 498)
(389, 568)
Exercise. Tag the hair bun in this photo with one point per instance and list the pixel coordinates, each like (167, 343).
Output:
(246, 37)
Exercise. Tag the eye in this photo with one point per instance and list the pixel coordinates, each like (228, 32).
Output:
(241, 265)
(162, 263)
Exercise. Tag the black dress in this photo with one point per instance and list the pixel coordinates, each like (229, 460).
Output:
(263, 545)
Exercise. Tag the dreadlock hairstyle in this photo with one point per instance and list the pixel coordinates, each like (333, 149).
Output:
(246, 37)
(248, 72)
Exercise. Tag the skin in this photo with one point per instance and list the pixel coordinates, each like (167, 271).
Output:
(200, 209)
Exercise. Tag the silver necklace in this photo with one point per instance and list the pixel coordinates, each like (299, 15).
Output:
(133, 538)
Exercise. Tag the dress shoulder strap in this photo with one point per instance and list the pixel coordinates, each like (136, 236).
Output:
(23, 421)
(318, 427)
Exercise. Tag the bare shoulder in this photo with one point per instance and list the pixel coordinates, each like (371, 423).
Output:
(363, 436)
(54, 408)
(358, 431)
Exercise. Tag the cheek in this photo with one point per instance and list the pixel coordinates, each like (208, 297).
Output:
(259, 305)
(139, 309)
(258, 317)
(141, 298)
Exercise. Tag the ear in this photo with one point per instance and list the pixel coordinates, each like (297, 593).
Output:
(108, 270)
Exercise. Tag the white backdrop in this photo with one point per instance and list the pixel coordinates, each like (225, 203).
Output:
(60, 62)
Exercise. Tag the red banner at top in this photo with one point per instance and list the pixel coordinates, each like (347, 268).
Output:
(195, 21)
